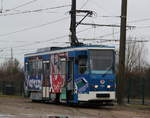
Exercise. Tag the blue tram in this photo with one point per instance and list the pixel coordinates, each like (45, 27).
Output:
(71, 75)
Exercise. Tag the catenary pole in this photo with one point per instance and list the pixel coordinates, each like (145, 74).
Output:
(121, 75)
(73, 23)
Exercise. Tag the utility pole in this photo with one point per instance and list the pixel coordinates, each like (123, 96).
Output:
(11, 64)
(74, 24)
(1, 10)
(121, 75)
(11, 59)
(74, 40)
(11, 54)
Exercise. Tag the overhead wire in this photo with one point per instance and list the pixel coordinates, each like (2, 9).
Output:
(109, 34)
(51, 39)
(140, 27)
(36, 10)
(104, 16)
(33, 27)
(16, 41)
(84, 4)
(143, 27)
(139, 20)
(21, 5)
(48, 23)
(99, 6)
(5, 41)
(39, 42)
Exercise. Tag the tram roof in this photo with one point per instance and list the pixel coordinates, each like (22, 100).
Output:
(52, 50)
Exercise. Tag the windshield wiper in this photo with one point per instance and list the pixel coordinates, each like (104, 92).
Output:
(107, 70)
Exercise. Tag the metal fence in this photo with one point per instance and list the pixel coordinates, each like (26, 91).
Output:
(137, 90)
(11, 88)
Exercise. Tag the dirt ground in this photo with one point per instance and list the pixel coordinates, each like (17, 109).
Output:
(17, 107)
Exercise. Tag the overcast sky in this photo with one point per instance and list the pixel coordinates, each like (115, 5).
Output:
(26, 25)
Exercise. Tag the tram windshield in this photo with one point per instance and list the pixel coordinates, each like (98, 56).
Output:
(101, 61)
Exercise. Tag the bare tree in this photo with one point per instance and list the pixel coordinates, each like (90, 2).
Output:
(10, 64)
(12, 75)
(135, 55)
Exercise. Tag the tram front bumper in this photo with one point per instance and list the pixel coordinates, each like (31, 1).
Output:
(98, 96)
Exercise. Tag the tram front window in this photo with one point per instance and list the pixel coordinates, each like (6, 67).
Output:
(101, 61)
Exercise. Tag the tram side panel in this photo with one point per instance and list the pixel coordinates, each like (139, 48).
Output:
(58, 64)
(46, 77)
(33, 77)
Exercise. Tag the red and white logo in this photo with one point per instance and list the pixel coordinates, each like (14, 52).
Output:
(102, 81)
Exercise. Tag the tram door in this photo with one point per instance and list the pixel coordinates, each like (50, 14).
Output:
(70, 80)
(46, 73)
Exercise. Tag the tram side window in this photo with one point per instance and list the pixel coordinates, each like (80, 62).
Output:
(46, 68)
(26, 67)
(39, 67)
(83, 65)
(63, 67)
(30, 68)
(35, 67)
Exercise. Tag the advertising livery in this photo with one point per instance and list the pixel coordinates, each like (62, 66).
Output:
(71, 75)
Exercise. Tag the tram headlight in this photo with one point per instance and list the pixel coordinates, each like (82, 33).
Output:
(96, 86)
(108, 86)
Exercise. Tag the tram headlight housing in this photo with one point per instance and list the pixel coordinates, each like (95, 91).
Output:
(108, 86)
(96, 86)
